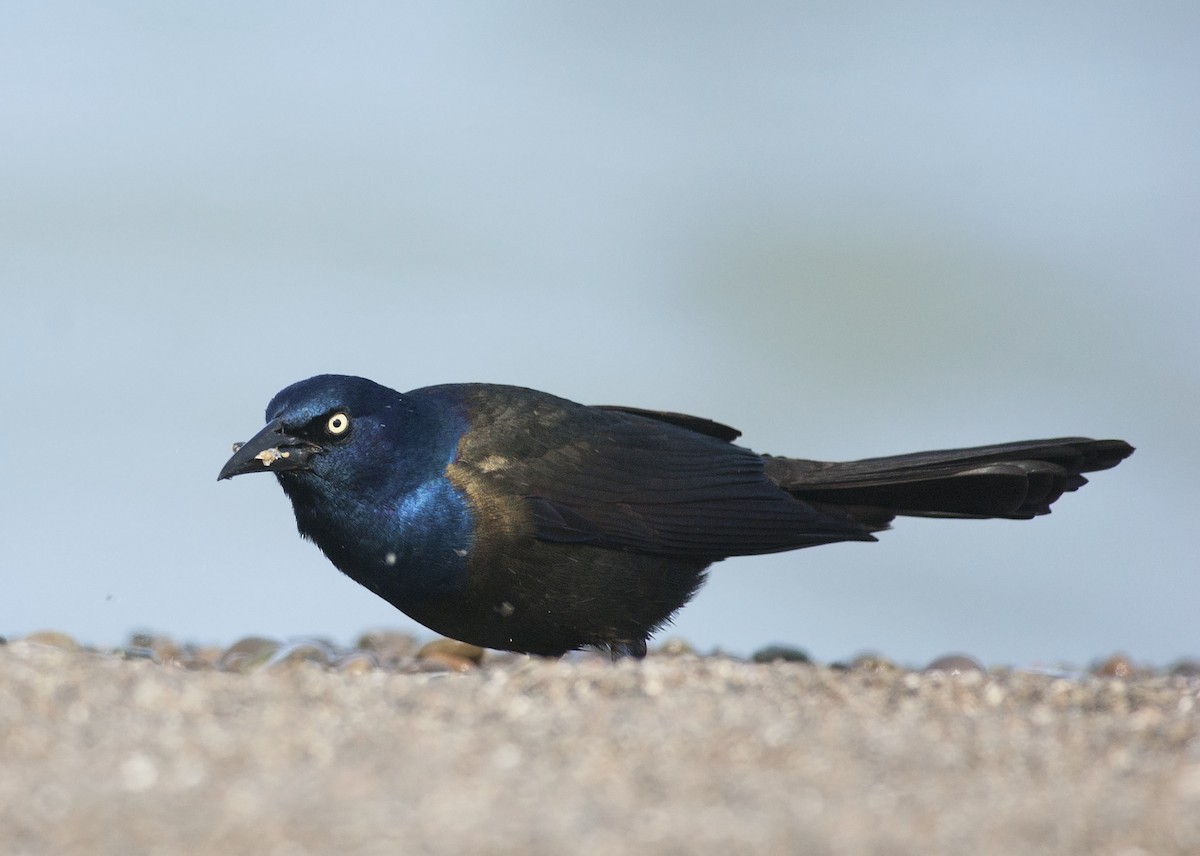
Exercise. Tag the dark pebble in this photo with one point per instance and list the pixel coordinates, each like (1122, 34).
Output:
(1186, 669)
(954, 664)
(141, 639)
(137, 652)
(777, 653)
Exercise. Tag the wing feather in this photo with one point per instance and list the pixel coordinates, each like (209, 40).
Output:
(623, 480)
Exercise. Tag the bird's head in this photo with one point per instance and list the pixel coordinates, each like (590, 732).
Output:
(326, 427)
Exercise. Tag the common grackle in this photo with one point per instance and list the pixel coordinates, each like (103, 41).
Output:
(514, 519)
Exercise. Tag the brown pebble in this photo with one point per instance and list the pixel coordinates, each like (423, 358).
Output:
(247, 654)
(873, 663)
(307, 651)
(200, 657)
(453, 648)
(1116, 666)
(954, 664)
(53, 638)
(675, 647)
(438, 661)
(356, 663)
(391, 648)
(166, 650)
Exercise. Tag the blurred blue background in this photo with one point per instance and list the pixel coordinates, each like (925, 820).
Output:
(847, 229)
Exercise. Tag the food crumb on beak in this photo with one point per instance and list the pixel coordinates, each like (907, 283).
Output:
(270, 456)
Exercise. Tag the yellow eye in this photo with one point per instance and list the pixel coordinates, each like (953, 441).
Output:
(338, 424)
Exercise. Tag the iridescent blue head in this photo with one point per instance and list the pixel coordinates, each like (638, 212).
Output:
(365, 468)
(328, 427)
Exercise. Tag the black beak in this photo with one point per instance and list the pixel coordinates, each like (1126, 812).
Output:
(270, 450)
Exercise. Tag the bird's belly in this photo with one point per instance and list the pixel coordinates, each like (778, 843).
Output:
(551, 598)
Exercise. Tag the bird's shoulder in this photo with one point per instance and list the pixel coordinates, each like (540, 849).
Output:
(518, 433)
(533, 463)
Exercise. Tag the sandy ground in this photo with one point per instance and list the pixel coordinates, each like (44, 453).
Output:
(683, 754)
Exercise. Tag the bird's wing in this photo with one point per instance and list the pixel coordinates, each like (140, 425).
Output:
(621, 480)
(693, 423)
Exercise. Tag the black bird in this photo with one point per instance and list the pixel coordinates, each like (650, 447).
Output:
(514, 519)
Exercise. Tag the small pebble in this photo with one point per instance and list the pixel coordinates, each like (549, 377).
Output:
(452, 648)
(1186, 669)
(874, 663)
(161, 649)
(1116, 666)
(304, 651)
(141, 639)
(200, 657)
(784, 653)
(675, 647)
(247, 654)
(442, 661)
(356, 663)
(167, 650)
(954, 664)
(132, 652)
(391, 648)
(53, 638)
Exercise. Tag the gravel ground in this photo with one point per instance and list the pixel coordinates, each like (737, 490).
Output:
(169, 754)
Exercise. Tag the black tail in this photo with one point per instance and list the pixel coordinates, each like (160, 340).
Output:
(1012, 480)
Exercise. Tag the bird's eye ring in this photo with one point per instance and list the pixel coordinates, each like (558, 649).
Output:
(338, 424)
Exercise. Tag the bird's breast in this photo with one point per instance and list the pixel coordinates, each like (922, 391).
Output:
(406, 549)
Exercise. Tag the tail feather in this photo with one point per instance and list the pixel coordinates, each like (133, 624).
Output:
(1011, 480)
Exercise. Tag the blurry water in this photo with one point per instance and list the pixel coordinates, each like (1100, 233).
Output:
(848, 232)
